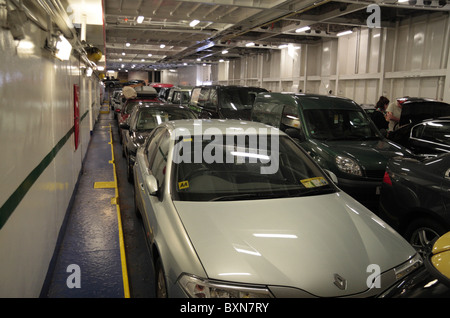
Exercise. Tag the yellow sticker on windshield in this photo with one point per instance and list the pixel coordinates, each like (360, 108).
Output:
(183, 185)
(314, 182)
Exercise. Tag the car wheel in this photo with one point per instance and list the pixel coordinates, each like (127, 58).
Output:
(420, 233)
(160, 282)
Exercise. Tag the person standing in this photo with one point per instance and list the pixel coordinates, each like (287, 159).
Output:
(379, 115)
(393, 112)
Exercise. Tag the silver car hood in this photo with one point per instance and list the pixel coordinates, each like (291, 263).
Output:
(295, 242)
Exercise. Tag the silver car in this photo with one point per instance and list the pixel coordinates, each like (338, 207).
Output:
(238, 209)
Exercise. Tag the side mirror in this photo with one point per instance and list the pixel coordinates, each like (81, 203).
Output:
(152, 185)
(124, 125)
(332, 176)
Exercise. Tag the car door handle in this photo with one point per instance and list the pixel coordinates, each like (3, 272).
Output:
(142, 186)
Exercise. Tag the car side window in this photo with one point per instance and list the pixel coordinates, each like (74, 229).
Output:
(199, 96)
(212, 101)
(152, 146)
(203, 98)
(438, 132)
(176, 98)
(267, 113)
(417, 131)
(158, 166)
(195, 96)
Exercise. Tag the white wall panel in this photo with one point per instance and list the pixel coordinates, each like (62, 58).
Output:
(36, 102)
(410, 59)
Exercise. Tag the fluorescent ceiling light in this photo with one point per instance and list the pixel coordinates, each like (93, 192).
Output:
(140, 19)
(224, 52)
(162, 46)
(344, 33)
(250, 44)
(149, 54)
(123, 53)
(282, 46)
(128, 44)
(306, 28)
(194, 23)
(63, 49)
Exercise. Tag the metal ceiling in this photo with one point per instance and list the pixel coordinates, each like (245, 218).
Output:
(231, 24)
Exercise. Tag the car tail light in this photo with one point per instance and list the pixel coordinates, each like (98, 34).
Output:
(387, 178)
(124, 117)
(402, 100)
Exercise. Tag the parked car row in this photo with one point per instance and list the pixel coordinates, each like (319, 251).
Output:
(424, 126)
(414, 198)
(218, 227)
(222, 229)
(114, 83)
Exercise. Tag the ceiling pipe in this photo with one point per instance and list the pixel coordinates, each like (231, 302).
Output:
(56, 13)
(268, 23)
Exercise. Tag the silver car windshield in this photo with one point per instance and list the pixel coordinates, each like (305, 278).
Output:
(339, 124)
(236, 174)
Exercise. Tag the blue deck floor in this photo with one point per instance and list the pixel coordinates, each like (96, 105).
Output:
(91, 250)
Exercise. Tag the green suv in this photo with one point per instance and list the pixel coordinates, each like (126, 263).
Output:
(338, 134)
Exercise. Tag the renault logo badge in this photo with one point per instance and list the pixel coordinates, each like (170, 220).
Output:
(340, 282)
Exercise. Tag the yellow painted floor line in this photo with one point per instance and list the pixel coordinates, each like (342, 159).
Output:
(105, 185)
(115, 201)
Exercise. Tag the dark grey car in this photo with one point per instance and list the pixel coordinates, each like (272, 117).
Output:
(429, 137)
(415, 198)
(141, 123)
(224, 101)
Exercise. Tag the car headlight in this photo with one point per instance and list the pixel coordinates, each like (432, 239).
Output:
(197, 287)
(409, 266)
(348, 165)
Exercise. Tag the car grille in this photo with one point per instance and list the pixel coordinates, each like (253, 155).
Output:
(375, 174)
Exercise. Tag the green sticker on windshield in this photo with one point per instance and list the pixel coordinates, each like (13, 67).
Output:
(314, 182)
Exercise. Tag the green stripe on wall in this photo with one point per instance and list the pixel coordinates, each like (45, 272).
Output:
(7, 209)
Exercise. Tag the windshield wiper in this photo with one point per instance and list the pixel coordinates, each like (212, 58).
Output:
(259, 196)
(317, 190)
(351, 137)
(244, 196)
